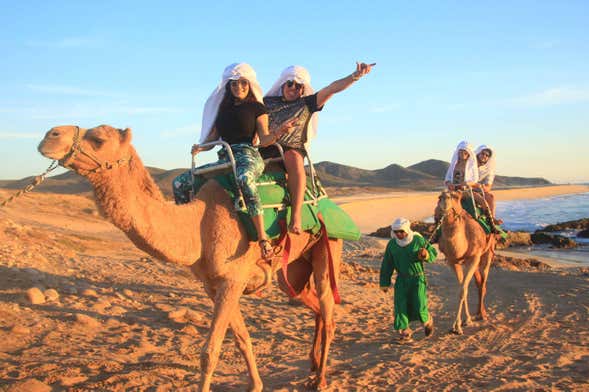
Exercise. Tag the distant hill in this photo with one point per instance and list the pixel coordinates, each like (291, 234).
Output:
(426, 175)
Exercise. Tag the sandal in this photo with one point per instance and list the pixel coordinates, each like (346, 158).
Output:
(267, 249)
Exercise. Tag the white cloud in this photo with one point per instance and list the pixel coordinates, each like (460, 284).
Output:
(16, 135)
(552, 96)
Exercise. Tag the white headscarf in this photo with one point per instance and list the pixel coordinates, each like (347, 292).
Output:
(233, 71)
(487, 171)
(300, 75)
(405, 225)
(471, 173)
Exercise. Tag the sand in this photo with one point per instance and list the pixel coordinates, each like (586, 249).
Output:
(372, 211)
(114, 319)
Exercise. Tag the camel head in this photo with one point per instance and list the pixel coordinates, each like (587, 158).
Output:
(87, 150)
(450, 200)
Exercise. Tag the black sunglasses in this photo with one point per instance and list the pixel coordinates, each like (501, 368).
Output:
(398, 231)
(296, 85)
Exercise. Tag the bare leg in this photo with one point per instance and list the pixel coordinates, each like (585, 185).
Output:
(226, 304)
(294, 162)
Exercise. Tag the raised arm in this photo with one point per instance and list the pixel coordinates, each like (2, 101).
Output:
(325, 93)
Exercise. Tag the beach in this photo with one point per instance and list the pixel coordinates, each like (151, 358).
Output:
(372, 211)
(115, 319)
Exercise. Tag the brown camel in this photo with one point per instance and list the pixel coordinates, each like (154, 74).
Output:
(205, 235)
(465, 243)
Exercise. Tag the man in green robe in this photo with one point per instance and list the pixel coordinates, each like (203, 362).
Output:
(405, 253)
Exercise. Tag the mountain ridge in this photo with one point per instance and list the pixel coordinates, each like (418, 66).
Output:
(425, 175)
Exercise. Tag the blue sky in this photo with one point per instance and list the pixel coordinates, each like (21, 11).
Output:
(509, 74)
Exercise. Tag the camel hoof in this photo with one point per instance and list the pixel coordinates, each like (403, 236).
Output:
(467, 322)
(316, 384)
(481, 317)
(256, 388)
(456, 331)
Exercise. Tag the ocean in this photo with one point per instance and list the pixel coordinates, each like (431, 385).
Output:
(533, 214)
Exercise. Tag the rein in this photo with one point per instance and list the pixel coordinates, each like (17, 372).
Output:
(38, 179)
(76, 149)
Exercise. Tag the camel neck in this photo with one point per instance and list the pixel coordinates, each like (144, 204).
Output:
(129, 197)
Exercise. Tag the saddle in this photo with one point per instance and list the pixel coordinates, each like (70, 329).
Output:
(481, 217)
(275, 200)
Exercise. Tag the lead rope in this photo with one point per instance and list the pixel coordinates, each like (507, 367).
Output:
(38, 179)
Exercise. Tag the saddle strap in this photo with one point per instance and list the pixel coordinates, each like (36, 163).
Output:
(285, 255)
(332, 282)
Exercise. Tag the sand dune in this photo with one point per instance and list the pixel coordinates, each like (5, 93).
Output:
(124, 321)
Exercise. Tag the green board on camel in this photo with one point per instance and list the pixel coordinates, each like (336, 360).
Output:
(276, 203)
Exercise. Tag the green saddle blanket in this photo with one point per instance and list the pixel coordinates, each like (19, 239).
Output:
(474, 211)
(276, 204)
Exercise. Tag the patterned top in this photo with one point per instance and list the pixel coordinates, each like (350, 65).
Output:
(281, 111)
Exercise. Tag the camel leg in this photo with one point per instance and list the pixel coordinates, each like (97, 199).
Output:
(326, 301)
(472, 267)
(457, 328)
(309, 297)
(226, 304)
(484, 277)
(244, 344)
(478, 278)
(299, 273)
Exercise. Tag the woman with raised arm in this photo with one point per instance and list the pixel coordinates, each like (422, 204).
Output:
(292, 106)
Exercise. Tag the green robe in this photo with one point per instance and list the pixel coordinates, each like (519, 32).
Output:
(410, 287)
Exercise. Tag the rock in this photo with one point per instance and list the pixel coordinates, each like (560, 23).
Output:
(117, 310)
(87, 320)
(578, 224)
(70, 381)
(101, 305)
(30, 385)
(193, 316)
(383, 232)
(518, 238)
(51, 295)
(164, 307)
(177, 314)
(20, 330)
(35, 296)
(90, 293)
(128, 293)
(190, 330)
(559, 241)
(539, 237)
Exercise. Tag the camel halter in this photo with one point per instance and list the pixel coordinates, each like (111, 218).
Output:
(77, 148)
